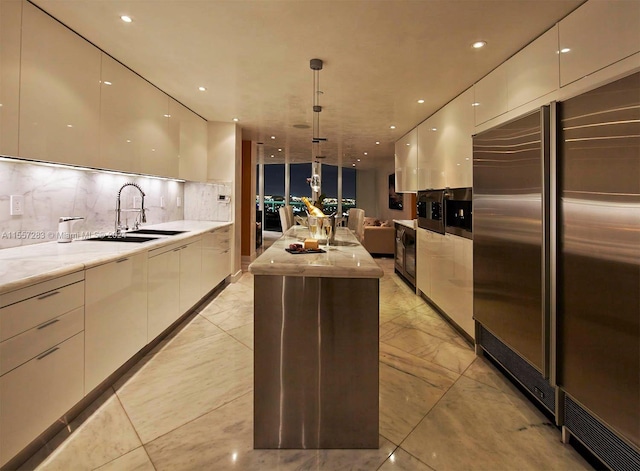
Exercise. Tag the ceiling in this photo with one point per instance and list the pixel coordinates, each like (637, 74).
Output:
(380, 57)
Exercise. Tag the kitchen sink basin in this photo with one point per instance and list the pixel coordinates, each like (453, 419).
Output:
(156, 232)
(134, 239)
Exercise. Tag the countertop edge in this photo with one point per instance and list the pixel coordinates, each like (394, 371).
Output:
(284, 267)
(116, 251)
(410, 223)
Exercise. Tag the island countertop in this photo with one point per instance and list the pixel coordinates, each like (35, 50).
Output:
(346, 259)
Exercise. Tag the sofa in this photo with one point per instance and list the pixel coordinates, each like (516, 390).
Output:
(379, 236)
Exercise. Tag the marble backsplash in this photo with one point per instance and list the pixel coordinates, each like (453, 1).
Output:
(207, 201)
(53, 191)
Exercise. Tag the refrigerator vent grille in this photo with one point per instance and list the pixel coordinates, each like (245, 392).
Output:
(610, 449)
(522, 371)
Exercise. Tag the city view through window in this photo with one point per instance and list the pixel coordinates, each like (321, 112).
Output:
(274, 191)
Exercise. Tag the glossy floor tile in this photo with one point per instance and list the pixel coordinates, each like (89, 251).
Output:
(103, 437)
(491, 430)
(188, 405)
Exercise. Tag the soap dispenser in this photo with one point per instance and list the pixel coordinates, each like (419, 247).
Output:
(64, 228)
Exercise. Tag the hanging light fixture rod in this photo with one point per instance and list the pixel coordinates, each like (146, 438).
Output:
(315, 64)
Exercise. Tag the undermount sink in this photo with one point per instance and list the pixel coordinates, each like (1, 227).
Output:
(137, 240)
(156, 231)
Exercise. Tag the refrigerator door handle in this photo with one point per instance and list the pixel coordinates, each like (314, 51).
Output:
(547, 170)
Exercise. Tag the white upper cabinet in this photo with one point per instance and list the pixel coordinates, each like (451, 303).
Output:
(407, 162)
(456, 129)
(431, 153)
(426, 155)
(491, 96)
(534, 71)
(189, 133)
(596, 35)
(134, 124)
(445, 145)
(59, 92)
(10, 20)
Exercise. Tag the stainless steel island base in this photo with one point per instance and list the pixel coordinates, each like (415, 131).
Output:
(316, 362)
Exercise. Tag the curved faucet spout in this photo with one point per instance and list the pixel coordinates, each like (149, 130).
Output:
(143, 216)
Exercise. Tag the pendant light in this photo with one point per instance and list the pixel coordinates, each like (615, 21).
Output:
(315, 181)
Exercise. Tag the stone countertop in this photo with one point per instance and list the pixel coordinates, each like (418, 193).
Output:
(346, 259)
(411, 223)
(30, 264)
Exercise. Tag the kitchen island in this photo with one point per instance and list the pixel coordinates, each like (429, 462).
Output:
(316, 345)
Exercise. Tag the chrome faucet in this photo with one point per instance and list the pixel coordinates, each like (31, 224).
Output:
(143, 216)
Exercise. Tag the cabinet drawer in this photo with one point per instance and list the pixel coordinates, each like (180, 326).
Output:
(37, 310)
(38, 393)
(36, 341)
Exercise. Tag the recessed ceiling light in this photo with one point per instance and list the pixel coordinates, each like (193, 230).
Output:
(273, 137)
(434, 129)
(358, 160)
(69, 125)
(421, 101)
(353, 165)
(279, 150)
(392, 127)
(479, 44)
(408, 144)
(202, 89)
(366, 153)
(475, 104)
(106, 82)
(467, 158)
(167, 116)
(126, 19)
(377, 143)
(564, 50)
(236, 120)
(128, 140)
(272, 156)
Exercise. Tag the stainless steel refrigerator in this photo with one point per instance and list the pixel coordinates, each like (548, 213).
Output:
(598, 289)
(511, 249)
(557, 262)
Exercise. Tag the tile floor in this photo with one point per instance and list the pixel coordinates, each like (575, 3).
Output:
(188, 404)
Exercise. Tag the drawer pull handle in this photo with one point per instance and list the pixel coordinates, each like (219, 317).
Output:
(47, 353)
(48, 295)
(122, 260)
(48, 324)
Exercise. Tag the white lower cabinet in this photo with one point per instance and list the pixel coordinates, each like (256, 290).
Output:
(190, 273)
(423, 272)
(445, 275)
(163, 295)
(174, 284)
(41, 358)
(216, 258)
(37, 393)
(115, 316)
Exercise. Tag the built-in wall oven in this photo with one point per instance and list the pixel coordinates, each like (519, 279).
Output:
(458, 211)
(430, 210)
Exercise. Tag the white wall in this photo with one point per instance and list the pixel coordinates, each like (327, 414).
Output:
(367, 191)
(224, 164)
